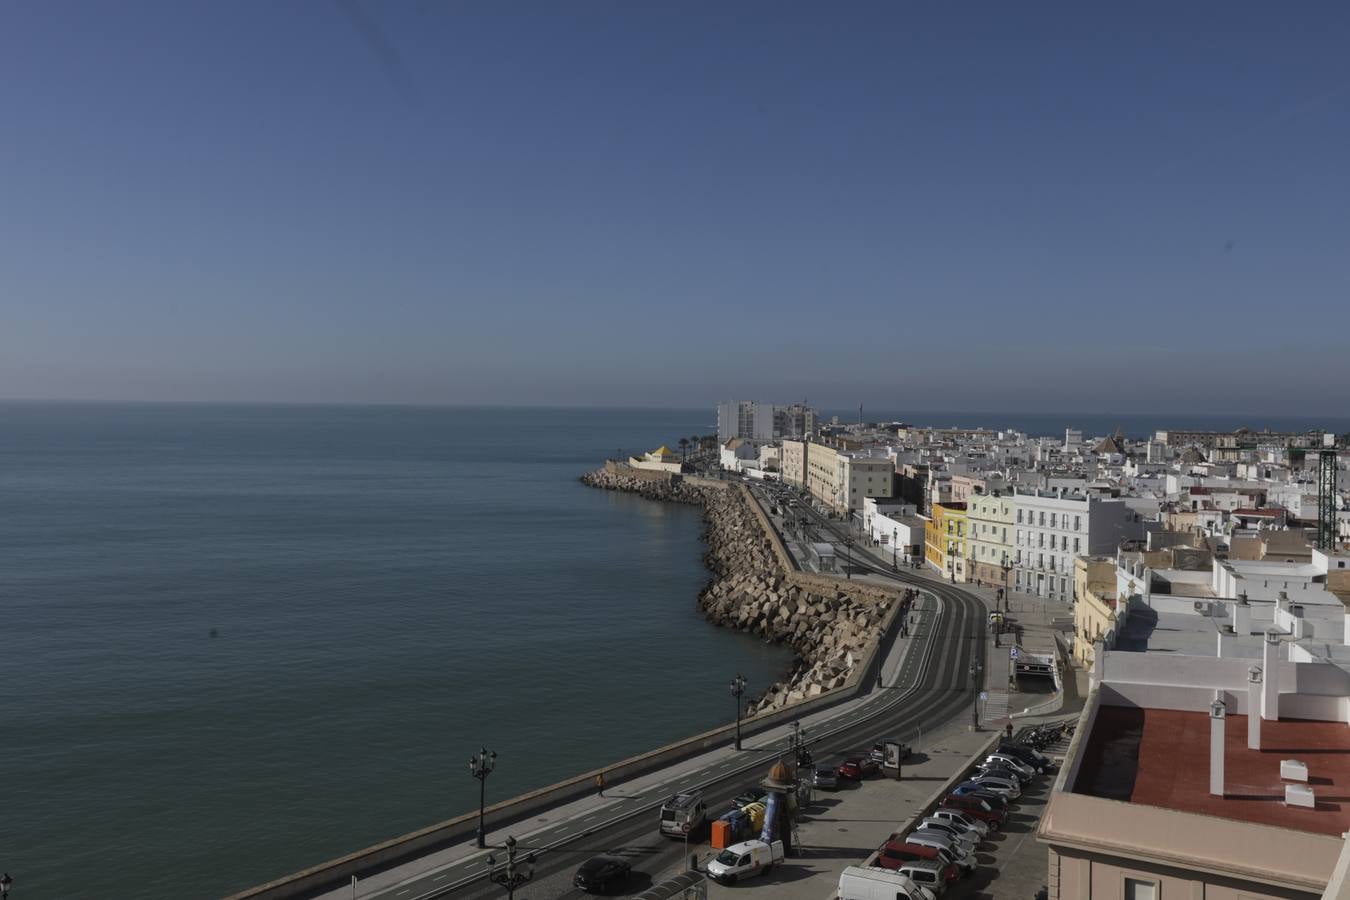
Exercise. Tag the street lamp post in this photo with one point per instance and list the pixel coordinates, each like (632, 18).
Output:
(737, 689)
(513, 874)
(975, 670)
(848, 556)
(481, 766)
(1003, 594)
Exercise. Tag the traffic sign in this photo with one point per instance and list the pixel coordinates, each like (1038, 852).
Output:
(684, 826)
(1014, 653)
(984, 695)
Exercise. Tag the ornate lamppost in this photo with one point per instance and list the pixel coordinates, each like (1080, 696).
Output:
(513, 873)
(481, 766)
(737, 689)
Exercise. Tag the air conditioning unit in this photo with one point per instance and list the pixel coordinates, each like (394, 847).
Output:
(1202, 607)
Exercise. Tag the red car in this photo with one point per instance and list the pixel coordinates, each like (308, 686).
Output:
(894, 854)
(858, 767)
(976, 808)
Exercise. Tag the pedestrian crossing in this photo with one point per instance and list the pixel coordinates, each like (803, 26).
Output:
(995, 708)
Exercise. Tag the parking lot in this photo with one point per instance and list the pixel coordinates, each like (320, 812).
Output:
(843, 828)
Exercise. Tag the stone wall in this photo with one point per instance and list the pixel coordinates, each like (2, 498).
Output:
(831, 624)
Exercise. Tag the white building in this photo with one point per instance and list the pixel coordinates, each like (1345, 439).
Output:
(1052, 528)
(764, 421)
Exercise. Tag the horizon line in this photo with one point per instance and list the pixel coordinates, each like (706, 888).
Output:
(397, 404)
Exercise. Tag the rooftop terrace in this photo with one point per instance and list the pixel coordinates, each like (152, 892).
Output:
(1160, 758)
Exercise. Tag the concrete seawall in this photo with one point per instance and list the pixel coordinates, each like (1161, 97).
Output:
(751, 603)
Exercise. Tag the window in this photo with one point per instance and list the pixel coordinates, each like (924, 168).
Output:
(1075, 545)
(1019, 517)
(1138, 889)
(1075, 523)
(1042, 517)
(1052, 520)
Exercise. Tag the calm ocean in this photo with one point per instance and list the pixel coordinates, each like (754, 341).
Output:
(238, 640)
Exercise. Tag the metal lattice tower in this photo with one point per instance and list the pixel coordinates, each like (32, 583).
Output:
(1326, 494)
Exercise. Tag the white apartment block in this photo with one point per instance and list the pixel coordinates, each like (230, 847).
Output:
(1051, 529)
(764, 421)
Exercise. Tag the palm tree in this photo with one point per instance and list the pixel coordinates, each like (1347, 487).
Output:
(684, 442)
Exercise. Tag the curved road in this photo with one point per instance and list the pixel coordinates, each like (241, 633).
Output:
(933, 686)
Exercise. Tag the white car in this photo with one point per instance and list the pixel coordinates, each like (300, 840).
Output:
(926, 874)
(969, 839)
(938, 841)
(961, 820)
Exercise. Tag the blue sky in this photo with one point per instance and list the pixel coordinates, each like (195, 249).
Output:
(1135, 207)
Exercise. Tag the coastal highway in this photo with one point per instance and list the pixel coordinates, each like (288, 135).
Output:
(931, 688)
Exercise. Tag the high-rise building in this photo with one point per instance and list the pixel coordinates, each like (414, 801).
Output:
(754, 421)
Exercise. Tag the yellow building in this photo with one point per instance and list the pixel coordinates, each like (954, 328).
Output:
(945, 540)
(1097, 616)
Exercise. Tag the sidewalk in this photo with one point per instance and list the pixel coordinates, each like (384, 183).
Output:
(623, 797)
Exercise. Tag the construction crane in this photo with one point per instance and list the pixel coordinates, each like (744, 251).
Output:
(1326, 494)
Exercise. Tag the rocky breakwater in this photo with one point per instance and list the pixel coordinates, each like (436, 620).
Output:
(652, 485)
(830, 624)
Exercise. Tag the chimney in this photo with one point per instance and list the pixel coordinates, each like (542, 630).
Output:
(1242, 614)
(1270, 695)
(1226, 641)
(1218, 713)
(1253, 708)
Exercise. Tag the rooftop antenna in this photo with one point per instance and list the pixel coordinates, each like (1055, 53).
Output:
(859, 413)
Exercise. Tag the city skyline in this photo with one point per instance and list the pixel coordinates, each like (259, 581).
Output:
(1033, 209)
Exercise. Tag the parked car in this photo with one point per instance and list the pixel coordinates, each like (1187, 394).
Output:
(931, 875)
(744, 859)
(976, 807)
(1009, 787)
(997, 772)
(971, 786)
(1028, 755)
(961, 820)
(896, 853)
(857, 767)
(602, 874)
(1026, 770)
(826, 779)
(959, 854)
(970, 839)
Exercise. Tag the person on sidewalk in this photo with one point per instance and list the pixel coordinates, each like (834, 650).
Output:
(600, 783)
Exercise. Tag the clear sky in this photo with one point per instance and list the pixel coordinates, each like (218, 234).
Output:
(1133, 206)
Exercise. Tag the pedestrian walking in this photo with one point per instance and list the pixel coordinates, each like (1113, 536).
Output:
(1008, 729)
(600, 783)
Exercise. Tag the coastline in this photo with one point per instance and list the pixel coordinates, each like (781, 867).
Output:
(829, 623)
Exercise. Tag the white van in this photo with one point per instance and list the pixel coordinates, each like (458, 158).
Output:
(744, 859)
(683, 814)
(876, 883)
